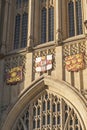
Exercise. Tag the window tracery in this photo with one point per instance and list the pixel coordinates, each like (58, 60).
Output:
(62, 117)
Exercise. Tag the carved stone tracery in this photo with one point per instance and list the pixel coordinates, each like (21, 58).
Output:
(49, 112)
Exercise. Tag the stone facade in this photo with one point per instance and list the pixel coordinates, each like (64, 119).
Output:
(58, 86)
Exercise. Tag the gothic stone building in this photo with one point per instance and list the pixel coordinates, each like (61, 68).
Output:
(43, 64)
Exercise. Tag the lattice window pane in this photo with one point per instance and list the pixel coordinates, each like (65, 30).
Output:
(34, 124)
(79, 17)
(44, 106)
(25, 2)
(17, 31)
(18, 4)
(24, 29)
(54, 120)
(51, 23)
(38, 111)
(48, 105)
(43, 25)
(71, 19)
(54, 108)
(34, 111)
(44, 120)
(38, 123)
(58, 107)
(48, 119)
(58, 120)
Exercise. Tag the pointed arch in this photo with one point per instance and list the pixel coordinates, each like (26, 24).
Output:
(57, 91)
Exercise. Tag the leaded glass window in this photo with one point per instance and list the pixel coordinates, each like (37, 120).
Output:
(24, 29)
(21, 24)
(43, 25)
(17, 31)
(18, 4)
(44, 120)
(25, 2)
(47, 21)
(51, 23)
(71, 19)
(79, 17)
(34, 118)
(75, 17)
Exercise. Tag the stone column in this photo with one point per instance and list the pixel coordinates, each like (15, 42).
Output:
(0, 7)
(5, 14)
(58, 21)
(36, 22)
(0, 23)
(30, 23)
(85, 13)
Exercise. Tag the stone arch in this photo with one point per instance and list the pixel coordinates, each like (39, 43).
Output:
(59, 88)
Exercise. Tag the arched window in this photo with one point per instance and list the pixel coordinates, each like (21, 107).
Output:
(43, 25)
(47, 21)
(51, 23)
(21, 23)
(75, 18)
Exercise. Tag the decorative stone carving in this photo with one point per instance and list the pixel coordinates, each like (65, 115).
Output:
(15, 61)
(75, 48)
(44, 52)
